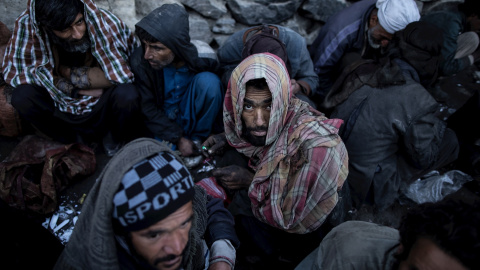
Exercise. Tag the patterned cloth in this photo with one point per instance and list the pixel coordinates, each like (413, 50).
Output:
(303, 163)
(151, 190)
(29, 57)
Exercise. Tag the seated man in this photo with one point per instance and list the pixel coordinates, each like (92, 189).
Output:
(391, 131)
(460, 32)
(297, 162)
(442, 235)
(72, 79)
(145, 212)
(180, 97)
(361, 30)
(277, 40)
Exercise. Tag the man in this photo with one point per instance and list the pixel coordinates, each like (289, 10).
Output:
(180, 97)
(297, 162)
(361, 30)
(460, 27)
(391, 131)
(278, 40)
(441, 235)
(67, 60)
(145, 212)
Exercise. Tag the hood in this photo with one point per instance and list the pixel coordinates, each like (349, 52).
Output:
(169, 25)
(92, 244)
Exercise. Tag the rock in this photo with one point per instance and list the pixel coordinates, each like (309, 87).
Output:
(303, 26)
(199, 28)
(144, 7)
(224, 26)
(10, 10)
(258, 12)
(322, 10)
(209, 8)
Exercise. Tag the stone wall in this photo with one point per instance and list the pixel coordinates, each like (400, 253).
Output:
(214, 20)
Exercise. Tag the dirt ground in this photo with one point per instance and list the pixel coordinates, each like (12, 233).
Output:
(29, 244)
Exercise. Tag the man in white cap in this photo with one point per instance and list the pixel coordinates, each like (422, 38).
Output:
(362, 30)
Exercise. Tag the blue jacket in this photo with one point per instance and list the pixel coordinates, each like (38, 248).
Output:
(343, 32)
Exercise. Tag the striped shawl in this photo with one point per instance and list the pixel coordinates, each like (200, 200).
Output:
(29, 58)
(303, 163)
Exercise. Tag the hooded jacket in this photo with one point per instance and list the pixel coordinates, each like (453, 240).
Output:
(93, 243)
(169, 25)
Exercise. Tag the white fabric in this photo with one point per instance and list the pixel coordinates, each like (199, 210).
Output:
(394, 15)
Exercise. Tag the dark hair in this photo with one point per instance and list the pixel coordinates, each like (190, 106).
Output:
(259, 84)
(453, 226)
(470, 7)
(57, 14)
(144, 35)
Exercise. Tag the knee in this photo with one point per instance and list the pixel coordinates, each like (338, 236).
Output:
(125, 96)
(22, 97)
(210, 84)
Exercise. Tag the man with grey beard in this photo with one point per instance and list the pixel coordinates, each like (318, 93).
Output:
(68, 63)
(362, 30)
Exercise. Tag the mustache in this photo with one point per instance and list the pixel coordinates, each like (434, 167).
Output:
(260, 128)
(165, 259)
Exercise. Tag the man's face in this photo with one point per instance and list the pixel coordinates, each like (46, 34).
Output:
(378, 37)
(373, 21)
(158, 55)
(162, 245)
(73, 38)
(256, 115)
(426, 255)
(473, 22)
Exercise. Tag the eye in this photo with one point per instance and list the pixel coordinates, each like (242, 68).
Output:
(152, 235)
(247, 107)
(185, 224)
(80, 21)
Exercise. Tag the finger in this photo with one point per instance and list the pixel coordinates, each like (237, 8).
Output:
(214, 148)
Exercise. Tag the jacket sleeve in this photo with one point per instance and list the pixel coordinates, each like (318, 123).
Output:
(300, 61)
(155, 118)
(220, 224)
(328, 49)
(423, 137)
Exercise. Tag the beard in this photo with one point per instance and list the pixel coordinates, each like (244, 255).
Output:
(371, 42)
(159, 64)
(71, 45)
(254, 140)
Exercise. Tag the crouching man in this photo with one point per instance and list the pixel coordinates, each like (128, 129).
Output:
(145, 212)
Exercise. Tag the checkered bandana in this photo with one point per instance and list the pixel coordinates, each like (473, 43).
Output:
(150, 191)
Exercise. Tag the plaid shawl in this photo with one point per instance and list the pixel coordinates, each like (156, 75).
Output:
(29, 58)
(303, 163)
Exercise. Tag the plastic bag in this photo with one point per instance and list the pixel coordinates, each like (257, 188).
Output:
(435, 187)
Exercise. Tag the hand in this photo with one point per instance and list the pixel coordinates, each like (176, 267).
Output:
(185, 146)
(215, 145)
(233, 177)
(295, 86)
(91, 92)
(219, 266)
(64, 71)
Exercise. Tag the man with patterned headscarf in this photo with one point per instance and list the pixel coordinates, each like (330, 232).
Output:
(67, 60)
(362, 30)
(297, 162)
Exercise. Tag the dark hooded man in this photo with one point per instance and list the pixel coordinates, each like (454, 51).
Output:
(180, 95)
(145, 212)
(68, 63)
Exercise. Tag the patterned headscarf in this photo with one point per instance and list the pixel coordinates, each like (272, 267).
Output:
(303, 162)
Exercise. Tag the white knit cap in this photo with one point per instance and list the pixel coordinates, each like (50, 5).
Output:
(394, 15)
